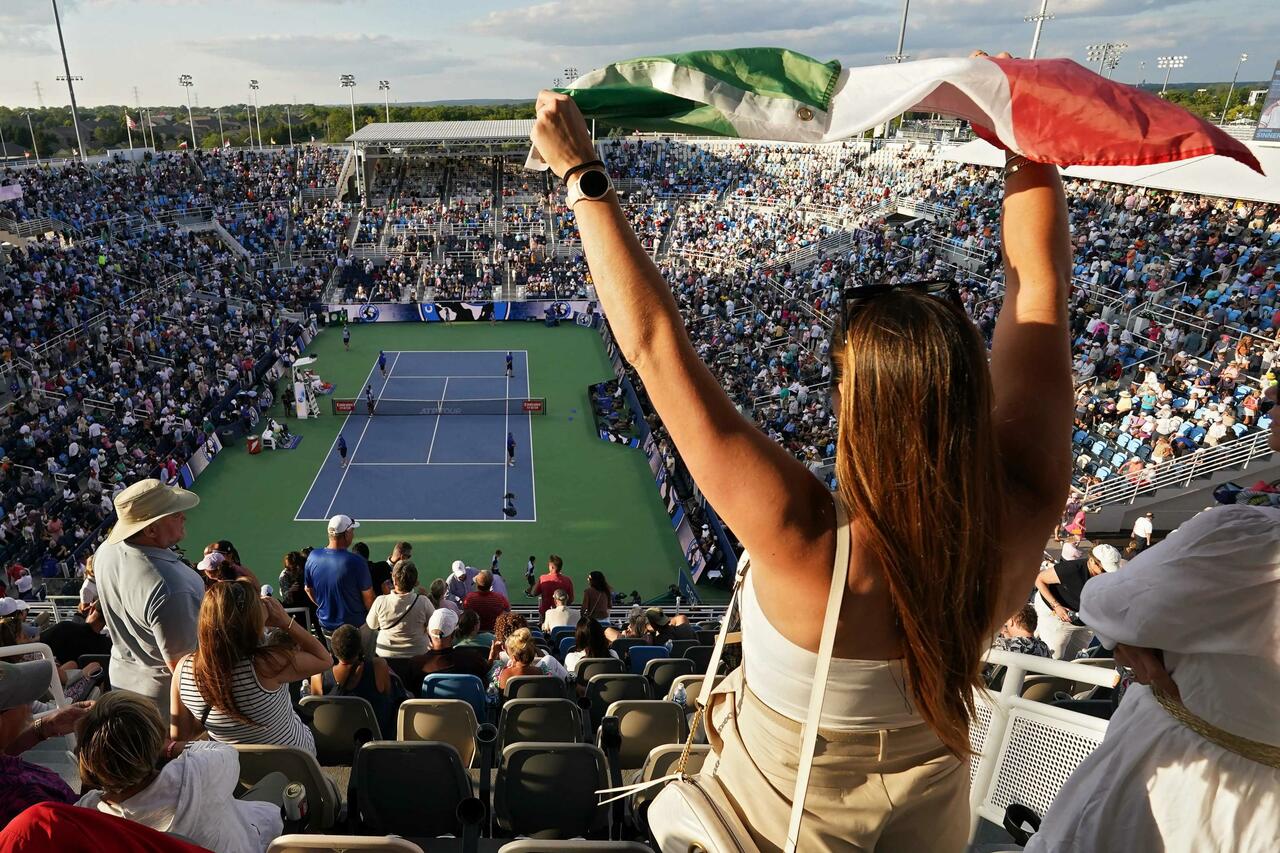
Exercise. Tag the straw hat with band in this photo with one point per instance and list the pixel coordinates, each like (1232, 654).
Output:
(147, 501)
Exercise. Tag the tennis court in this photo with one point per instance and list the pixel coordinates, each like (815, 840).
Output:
(435, 448)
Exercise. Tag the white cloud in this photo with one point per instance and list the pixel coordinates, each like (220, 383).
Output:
(628, 22)
(310, 53)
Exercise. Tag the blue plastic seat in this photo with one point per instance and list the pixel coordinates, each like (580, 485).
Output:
(1103, 473)
(1144, 453)
(561, 631)
(565, 646)
(1098, 448)
(1118, 459)
(641, 655)
(1079, 436)
(468, 688)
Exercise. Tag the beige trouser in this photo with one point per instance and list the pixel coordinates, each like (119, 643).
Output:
(1063, 639)
(887, 791)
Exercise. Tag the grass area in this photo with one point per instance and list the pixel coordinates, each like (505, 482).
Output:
(598, 507)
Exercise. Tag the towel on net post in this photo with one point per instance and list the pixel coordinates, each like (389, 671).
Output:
(1047, 110)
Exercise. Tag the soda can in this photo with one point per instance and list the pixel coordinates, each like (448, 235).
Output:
(295, 801)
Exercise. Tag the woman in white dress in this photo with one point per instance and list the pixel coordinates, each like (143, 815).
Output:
(1197, 617)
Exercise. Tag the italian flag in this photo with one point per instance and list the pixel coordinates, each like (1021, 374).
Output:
(1047, 110)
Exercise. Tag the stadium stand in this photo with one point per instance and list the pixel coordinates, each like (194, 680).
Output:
(145, 311)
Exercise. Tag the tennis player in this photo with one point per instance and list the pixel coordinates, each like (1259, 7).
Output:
(368, 398)
(382, 363)
(342, 450)
(510, 369)
(511, 449)
(346, 337)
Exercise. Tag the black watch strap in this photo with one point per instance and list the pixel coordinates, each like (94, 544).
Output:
(569, 173)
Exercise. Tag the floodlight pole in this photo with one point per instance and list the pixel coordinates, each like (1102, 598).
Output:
(288, 120)
(1039, 19)
(35, 145)
(1231, 91)
(222, 139)
(184, 80)
(71, 89)
(257, 116)
(385, 86)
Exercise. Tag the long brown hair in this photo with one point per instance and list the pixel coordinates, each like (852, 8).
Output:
(919, 471)
(230, 630)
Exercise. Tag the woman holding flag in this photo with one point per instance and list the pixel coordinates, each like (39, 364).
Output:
(932, 540)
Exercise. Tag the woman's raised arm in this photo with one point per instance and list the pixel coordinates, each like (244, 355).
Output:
(769, 499)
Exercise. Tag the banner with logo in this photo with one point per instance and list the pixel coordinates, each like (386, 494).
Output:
(580, 311)
(1268, 129)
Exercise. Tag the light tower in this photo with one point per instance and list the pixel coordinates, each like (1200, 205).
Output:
(348, 81)
(185, 81)
(1231, 91)
(1107, 54)
(384, 86)
(1168, 63)
(1044, 15)
(257, 117)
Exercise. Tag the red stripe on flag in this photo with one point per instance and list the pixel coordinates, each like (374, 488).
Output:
(1066, 114)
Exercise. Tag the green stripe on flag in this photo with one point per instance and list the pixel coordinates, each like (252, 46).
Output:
(637, 93)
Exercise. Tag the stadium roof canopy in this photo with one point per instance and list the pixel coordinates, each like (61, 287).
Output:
(1219, 177)
(457, 136)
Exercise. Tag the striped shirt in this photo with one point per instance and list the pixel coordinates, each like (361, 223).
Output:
(277, 723)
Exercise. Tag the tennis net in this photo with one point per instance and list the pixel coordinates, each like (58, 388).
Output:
(492, 406)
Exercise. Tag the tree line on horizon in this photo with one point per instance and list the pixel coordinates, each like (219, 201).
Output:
(103, 127)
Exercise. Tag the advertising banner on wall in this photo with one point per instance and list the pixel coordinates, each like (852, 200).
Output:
(1268, 129)
(558, 310)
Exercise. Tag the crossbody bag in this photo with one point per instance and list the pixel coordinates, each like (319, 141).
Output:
(694, 813)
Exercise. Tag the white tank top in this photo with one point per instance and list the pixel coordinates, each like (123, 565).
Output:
(862, 695)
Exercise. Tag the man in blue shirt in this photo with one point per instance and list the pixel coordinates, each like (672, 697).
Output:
(511, 449)
(510, 370)
(337, 580)
(382, 363)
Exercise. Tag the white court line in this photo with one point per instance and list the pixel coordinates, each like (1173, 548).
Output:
(526, 352)
(320, 470)
(533, 475)
(448, 376)
(363, 519)
(436, 428)
(411, 464)
(506, 430)
(356, 449)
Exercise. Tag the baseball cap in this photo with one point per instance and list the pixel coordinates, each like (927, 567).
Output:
(8, 606)
(459, 569)
(24, 683)
(342, 523)
(1107, 556)
(442, 623)
(656, 617)
(211, 561)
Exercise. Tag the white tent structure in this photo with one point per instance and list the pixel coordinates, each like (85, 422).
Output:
(1218, 177)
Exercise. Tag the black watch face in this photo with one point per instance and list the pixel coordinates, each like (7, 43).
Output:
(593, 184)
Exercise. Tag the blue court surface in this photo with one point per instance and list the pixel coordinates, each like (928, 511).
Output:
(431, 467)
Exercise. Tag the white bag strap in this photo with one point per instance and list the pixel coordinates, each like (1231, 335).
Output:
(724, 637)
(809, 734)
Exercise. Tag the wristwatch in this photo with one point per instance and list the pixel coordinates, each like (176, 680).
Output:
(592, 184)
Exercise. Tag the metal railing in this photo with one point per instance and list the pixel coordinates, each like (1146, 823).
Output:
(1180, 471)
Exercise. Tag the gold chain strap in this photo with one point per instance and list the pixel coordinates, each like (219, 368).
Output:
(1262, 753)
(688, 744)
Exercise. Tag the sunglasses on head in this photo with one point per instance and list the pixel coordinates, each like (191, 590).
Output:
(854, 297)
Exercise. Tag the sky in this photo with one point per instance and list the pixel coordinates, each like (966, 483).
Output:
(437, 50)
